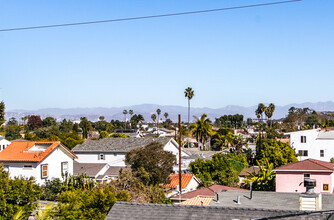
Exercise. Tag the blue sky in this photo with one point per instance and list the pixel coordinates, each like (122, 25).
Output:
(281, 54)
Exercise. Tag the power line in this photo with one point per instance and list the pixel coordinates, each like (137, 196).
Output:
(147, 17)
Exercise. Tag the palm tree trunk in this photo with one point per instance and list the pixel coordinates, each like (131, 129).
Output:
(188, 120)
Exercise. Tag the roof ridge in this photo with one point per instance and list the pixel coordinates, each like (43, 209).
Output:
(315, 162)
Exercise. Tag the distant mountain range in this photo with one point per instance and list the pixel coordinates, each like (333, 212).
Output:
(148, 109)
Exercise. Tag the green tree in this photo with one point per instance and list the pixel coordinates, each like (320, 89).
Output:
(90, 204)
(2, 113)
(154, 117)
(12, 132)
(49, 121)
(270, 111)
(221, 169)
(151, 163)
(85, 126)
(120, 135)
(101, 118)
(17, 194)
(276, 152)
(166, 115)
(12, 121)
(125, 112)
(103, 134)
(265, 179)
(202, 129)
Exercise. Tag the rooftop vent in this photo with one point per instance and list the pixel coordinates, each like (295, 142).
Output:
(310, 184)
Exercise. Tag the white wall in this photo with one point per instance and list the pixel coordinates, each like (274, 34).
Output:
(312, 145)
(113, 159)
(193, 184)
(53, 160)
(3, 144)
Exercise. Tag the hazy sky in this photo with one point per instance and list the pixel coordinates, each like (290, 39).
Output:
(281, 53)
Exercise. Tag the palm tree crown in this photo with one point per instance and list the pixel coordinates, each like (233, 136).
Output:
(202, 128)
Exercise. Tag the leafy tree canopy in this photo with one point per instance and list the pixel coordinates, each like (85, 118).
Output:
(275, 151)
(221, 169)
(151, 163)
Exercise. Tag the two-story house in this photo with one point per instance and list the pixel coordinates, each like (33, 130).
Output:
(315, 143)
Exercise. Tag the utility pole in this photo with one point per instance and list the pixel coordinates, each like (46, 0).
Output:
(180, 171)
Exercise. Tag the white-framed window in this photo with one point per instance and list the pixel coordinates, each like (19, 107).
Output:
(6, 168)
(44, 171)
(101, 156)
(325, 187)
(64, 168)
(322, 153)
(303, 153)
(307, 176)
(302, 139)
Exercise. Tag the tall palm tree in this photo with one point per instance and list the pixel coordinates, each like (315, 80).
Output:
(189, 94)
(166, 115)
(158, 112)
(154, 117)
(130, 113)
(270, 111)
(260, 110)
(202, 129)
(125, 112)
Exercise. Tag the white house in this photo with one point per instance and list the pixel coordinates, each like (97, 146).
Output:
(113, 150)
(189, 182)
(3, 143)
(41, 160)
(315, 143)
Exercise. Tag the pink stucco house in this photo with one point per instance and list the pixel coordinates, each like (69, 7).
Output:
(290, 177)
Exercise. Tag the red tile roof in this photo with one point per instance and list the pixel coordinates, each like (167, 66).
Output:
(174, 180)
(309, 164)
(198, 200)
(19, 151)
(207, 191)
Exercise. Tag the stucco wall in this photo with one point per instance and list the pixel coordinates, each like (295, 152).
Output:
(294, 181)
(312, 145)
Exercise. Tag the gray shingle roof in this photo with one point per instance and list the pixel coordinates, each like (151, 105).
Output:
(135, 211)
(118, 144)
(267, 200)
(90, 169)
(114, 171)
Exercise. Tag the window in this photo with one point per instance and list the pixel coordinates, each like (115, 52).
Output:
(307, 176)
(322, 153)
(303, 153)
(101, 156)
(64, 168)
(302, 139)
(44, 171)
(27, 166)
(325, 187)
(6, 168)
